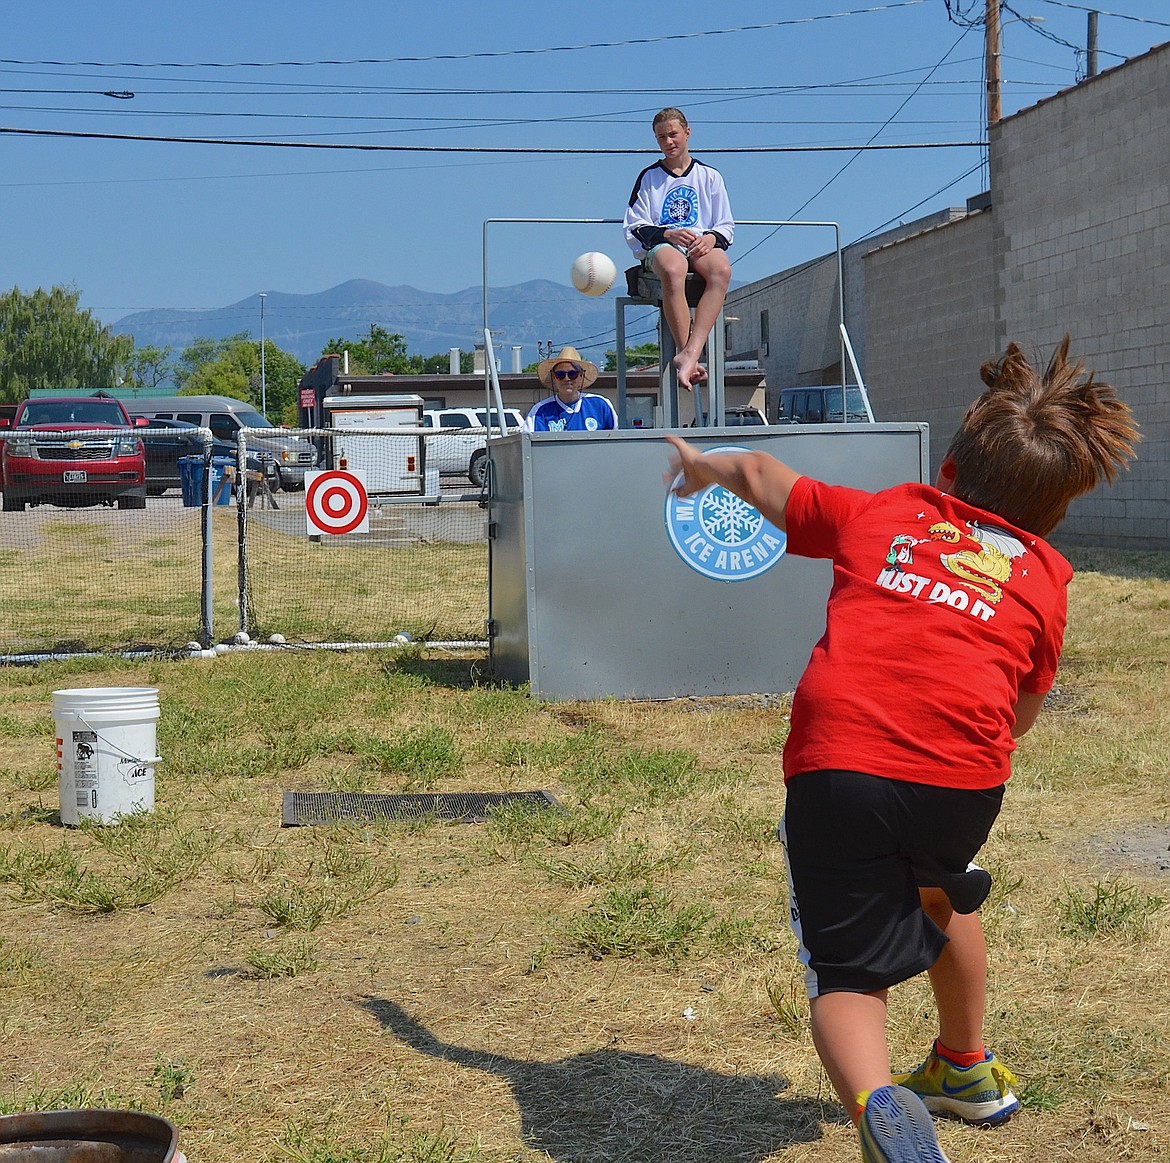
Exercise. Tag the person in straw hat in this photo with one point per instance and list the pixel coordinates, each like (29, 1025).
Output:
(570, 408)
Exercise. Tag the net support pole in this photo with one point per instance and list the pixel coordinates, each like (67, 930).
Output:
(242, 528)
(207, 629)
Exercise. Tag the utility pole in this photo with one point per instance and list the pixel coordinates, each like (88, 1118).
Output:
(1092, 53)
(991, 21)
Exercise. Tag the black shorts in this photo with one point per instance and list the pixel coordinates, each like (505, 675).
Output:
(858, 848)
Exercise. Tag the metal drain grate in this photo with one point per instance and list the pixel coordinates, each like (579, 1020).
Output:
(302, 809)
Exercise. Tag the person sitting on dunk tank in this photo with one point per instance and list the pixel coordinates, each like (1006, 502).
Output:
(679, 220)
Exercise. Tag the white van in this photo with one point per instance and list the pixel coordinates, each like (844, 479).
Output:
(291, 454)
(461, 449)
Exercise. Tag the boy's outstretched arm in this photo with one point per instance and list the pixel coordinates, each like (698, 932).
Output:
(756, 477)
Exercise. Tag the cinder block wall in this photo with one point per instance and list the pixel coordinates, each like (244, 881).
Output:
(804, 345)
(1077, 239)
(1081, 188)
(930, 324)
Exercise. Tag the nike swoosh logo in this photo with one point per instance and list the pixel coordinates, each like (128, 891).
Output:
(959, 1089)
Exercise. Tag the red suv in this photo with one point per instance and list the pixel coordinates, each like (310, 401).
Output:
(67, 451)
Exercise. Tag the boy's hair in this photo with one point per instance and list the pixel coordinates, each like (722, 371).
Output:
(670, 113)
(1032, 443)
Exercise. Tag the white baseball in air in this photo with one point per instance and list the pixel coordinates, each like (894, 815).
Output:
(593, 273)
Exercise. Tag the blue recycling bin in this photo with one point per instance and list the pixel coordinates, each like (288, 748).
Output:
(223, 474)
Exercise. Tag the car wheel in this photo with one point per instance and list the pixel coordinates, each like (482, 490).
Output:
(13, 504)
(130, 501)
(477, 470)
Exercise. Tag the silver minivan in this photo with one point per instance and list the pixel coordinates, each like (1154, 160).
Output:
(291, 454)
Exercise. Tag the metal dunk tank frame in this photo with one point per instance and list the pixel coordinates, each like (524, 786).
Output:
(602, 583)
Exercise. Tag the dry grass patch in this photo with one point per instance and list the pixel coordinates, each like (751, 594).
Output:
(613, 980)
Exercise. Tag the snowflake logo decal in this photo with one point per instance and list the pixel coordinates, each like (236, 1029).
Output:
(728, 519)
(721, 536)
(680, 207)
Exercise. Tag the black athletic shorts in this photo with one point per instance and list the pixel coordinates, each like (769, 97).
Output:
(858, 848)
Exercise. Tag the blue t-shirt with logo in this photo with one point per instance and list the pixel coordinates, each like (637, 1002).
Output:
(590, 413)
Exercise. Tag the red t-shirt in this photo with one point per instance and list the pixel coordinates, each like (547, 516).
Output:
(939, 616)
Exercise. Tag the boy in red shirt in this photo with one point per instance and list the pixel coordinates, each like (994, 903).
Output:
(944, 628)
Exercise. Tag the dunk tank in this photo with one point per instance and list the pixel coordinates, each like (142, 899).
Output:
(604, 583)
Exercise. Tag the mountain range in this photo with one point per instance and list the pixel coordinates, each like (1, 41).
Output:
(538, 312)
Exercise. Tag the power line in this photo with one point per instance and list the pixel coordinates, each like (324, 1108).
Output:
(1039, 29)
(868, 146)
(448, 122)
(879, 83)
(1102, 12)
(513, 52)
(475, 149)
(367, 90)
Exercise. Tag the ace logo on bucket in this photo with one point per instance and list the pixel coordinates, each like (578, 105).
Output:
(721, 536)
(336, 502)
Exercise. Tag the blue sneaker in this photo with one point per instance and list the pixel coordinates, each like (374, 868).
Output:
(979, 1094)
(895, 1127)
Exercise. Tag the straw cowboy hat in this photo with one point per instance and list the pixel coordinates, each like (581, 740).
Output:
(568, 355)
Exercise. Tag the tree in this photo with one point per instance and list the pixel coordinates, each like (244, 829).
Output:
(281, 373)
(384, 351)
(640, 356)
(150, 366)
(203, 350)
(440, 362)
(374, 354)
(46, 341)
(231, 367)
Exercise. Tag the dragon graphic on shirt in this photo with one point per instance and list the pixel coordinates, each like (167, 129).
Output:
(984, 563)
(982, 558)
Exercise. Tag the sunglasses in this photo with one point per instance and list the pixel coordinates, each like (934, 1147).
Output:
(571, 374)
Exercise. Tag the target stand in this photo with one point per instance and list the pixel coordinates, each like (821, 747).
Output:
(336, 503)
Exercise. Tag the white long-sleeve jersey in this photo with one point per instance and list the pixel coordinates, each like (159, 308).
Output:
(663, 201)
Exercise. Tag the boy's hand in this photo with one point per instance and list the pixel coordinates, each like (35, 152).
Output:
(702, 245)
(760, 479)
(683, 236)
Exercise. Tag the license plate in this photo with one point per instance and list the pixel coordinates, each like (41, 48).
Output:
(76, 476)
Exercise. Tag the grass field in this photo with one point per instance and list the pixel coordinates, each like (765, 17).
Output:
(108, 580)
(614, 981)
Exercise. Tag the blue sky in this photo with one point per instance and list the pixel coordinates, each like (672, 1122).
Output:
(141, 224)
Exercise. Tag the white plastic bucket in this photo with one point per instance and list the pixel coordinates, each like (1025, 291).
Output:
(106, 752)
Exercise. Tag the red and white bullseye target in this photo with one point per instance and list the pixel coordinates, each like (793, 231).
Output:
(336, 502)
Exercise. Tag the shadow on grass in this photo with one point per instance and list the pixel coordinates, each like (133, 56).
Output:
(614, 1105)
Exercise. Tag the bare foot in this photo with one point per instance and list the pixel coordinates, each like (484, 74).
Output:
(687, 370)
